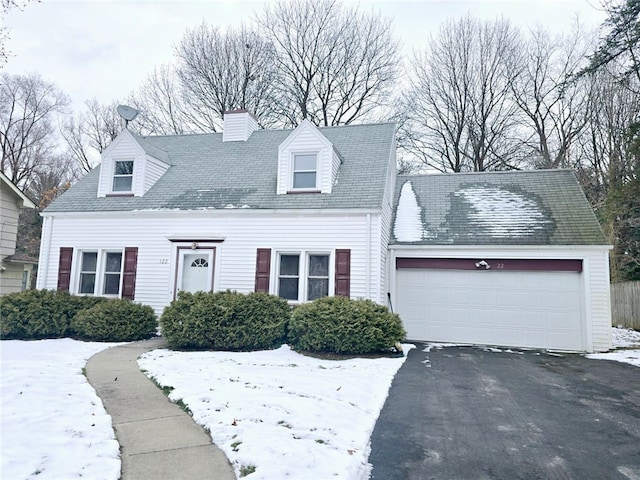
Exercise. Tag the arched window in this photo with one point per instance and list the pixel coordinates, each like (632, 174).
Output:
(200, 263)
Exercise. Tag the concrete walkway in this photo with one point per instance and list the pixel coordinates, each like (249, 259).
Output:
(157, 438)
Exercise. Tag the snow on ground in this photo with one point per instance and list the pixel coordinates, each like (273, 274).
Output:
(627, 342)
(286, 414)
(53, 425)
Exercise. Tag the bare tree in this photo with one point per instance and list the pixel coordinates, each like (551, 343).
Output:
(608, 157)
(5, 6)
(162, 107)
(555, 103)
(88, 135)
(221, 71)
(336, 64)
(28, 107)
(460, 114)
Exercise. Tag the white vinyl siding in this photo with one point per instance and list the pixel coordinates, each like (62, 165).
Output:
(238, 126)
(235, 268)
(385, 225)
(335, 166)
(600, 300)
(153, 170)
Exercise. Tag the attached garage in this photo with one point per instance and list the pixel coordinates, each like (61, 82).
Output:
(534, 303)
(508, 259)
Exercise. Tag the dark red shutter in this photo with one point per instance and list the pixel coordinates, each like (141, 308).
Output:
(64, 268)
(343, 273)
(263, 269)
(129, 273)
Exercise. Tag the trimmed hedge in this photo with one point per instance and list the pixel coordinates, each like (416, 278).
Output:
(345, 326)
(116, 320)
(38, 314)
(225, 321)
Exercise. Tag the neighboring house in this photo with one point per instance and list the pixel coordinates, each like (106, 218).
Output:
(15, 269)
(311, 212)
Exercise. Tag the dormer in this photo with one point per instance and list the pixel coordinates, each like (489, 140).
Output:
(307, 162)
(130, 166)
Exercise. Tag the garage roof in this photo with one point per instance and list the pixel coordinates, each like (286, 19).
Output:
(539, 207)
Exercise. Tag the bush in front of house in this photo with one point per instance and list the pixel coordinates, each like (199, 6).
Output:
(345, 326)
(115, 320)
(225, 321)
(38, 314)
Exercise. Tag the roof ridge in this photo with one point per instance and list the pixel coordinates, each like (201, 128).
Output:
(485, 172)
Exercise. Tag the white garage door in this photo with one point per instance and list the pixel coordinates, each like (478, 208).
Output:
(536, 309)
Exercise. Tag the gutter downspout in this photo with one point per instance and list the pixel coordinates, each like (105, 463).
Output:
(45, 244)
(368, 256)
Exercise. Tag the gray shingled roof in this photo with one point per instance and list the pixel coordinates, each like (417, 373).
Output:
(206, 173)
(541, 207)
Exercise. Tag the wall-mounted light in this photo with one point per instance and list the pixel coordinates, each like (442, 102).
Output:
(482, 264)
(194, 245)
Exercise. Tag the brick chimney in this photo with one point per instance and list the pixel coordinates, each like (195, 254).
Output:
(238, 125)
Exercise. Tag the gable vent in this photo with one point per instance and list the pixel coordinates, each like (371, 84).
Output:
(238, 125)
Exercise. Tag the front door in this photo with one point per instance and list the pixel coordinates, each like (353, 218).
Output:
(195, 270)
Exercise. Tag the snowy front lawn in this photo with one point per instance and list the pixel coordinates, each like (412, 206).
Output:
(627, 343)
(53, 424)
(279, 413)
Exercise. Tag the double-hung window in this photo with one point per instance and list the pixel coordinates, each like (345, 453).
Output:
(122, 176)
(88, 270)
(305, 171)
(100, 273)
(112, 273)
(303, 276)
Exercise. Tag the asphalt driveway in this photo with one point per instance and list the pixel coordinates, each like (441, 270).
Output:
(472, 413)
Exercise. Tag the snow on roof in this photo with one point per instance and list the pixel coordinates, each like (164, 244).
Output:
(408, 225)
(504, 213)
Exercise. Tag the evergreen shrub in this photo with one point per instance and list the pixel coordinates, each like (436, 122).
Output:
(344, 326)
(225, 321)
(38, 314)
(115, 320)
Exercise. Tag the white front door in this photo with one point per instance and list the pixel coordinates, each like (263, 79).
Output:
(195, 270)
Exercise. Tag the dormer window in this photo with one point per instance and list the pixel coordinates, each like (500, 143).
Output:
(305, 170)
(123, 176)
(308, 163)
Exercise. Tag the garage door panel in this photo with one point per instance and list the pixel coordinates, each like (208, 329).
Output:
(510, 308)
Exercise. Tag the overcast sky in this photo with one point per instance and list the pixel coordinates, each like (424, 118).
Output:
(105, 49)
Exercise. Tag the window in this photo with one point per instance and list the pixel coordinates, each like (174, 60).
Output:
(88, 273)
(318, 278)
(295, 285)
(123, 176)
(113, 265)
(100, 273)
(289, 278)
(304, 171)
(26, 279)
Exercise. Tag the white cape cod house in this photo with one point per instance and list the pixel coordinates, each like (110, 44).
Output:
(512, 259)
